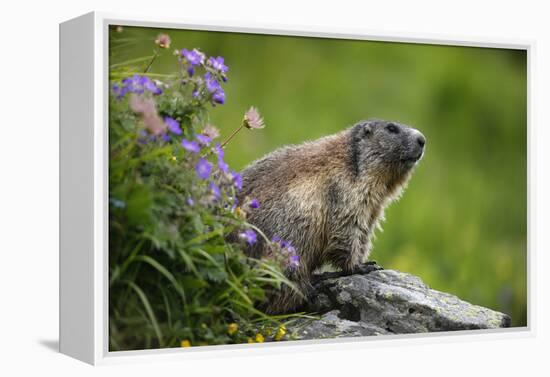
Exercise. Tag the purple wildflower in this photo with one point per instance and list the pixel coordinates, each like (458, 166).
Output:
(196, 94)
(218, 64)
(219, 150)
(191, 146)
(139, 83)
(118, 91)
(215, 190)
(203, 139)
(237, 180)
(221, 163)
(249, 236)
(193, 57)
(190, 71)
(254, 204)
(219, 96)
(190, 201)
(150, 85)
(133, 84)
(166, 137)
(294, 261)
(223, 166)
(173, 125)
(212, 85)
(136, 84)
(203, 168)
(276, 239)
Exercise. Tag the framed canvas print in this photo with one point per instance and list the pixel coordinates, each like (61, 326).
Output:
(233, 189)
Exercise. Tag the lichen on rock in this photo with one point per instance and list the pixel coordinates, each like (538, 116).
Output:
(388, 302)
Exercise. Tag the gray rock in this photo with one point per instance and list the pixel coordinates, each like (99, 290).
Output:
(388, 302)
(331, 325)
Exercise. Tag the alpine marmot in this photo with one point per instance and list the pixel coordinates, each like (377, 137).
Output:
(326, 197)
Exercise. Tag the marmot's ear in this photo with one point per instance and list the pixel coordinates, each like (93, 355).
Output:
(366, 129)
(362, 130)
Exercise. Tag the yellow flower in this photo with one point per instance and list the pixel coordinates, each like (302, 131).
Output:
(259, 338)
(232, 328)
(250, 340)
(268, 332)
(240, 213)
(185, 343)
(173, 159)
(280, 333)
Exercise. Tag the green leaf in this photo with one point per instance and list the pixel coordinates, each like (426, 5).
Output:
(167, 274)
(148, 309)
(138, 206)
(193, 283)
(215, 274)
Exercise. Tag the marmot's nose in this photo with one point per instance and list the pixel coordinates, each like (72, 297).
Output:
(421, 140)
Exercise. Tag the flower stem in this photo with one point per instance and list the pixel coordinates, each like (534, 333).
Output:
(232, 135)
(151, 62)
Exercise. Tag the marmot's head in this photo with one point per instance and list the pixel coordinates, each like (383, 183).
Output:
(385, 150)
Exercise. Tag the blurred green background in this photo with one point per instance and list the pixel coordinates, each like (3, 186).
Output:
(462, 223)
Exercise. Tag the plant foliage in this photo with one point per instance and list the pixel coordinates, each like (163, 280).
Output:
(174, 278)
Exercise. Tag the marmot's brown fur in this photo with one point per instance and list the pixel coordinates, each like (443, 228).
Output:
(326, 197)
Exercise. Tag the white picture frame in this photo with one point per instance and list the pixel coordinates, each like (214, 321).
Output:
(84, 92)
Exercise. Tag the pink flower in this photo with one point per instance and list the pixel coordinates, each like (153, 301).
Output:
(163, 41)
(252, 119)
(147, 109)
(142, 105)
(211, 131)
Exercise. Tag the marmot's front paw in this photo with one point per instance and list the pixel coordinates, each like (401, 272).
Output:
(366, 268)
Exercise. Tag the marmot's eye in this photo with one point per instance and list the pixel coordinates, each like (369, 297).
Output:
(392, 128)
